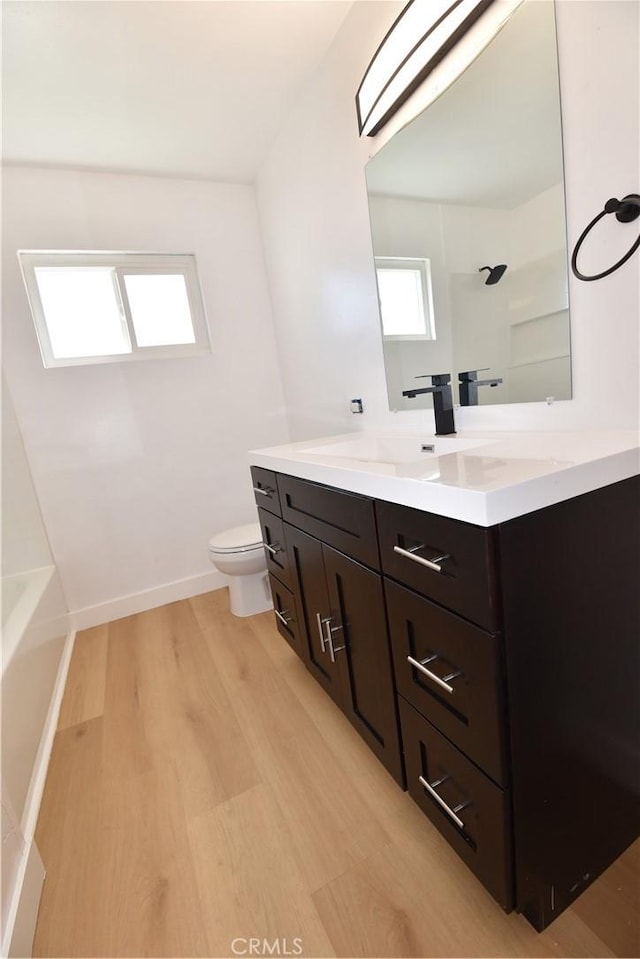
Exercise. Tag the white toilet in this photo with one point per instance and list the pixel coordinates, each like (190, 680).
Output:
(239, 553)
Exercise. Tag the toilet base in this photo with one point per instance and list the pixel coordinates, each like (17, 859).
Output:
(249, 595)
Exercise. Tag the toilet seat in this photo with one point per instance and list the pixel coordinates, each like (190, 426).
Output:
(239, 539)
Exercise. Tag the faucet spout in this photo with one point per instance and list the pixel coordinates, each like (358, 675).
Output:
(468, 383)
(442, 400)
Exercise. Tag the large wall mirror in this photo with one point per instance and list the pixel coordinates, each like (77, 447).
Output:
(468, 224)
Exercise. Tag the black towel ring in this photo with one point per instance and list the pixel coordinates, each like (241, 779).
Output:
(626, 210)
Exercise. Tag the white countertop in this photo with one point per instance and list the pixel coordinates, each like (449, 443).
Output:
(499, 476)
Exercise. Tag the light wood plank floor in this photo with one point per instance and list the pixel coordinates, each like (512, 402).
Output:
(203, 789)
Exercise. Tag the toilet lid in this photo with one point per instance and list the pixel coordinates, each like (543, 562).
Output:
(237, 540)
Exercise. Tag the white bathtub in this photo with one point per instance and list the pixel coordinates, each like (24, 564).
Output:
(21, 595)
(12, 589)
(36, 647)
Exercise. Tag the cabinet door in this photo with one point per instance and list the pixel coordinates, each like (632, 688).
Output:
(307, 569)
(357, 640)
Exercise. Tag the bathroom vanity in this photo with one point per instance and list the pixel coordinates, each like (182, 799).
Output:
(474, 611)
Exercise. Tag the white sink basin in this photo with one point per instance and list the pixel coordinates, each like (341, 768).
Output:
(393, 448)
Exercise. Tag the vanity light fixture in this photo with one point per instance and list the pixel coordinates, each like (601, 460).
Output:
(420, 38)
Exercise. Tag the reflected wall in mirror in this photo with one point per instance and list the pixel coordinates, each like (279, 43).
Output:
(468, 225)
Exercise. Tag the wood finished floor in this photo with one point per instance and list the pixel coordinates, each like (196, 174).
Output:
(203, 788)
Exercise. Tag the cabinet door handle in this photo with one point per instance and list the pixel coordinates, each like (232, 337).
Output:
(273, 549)
(449, 811)
(429, 563)
(267, 491)
(329, 638)
(282, 616)
(320, 621)
(432, 676)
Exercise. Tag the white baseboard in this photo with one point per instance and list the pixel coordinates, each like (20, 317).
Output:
(41, 765)
(147, 599)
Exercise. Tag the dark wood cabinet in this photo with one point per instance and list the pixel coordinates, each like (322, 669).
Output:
(285, 608)
(471, 812)
(358, 632)
(307, 567)
(265, 489)
(508, 654)
(444, 619)
(345, 643)
(450, 562)
(544, 674)
(345, 521)
(275, 546)
(451, 671)
(571, 576)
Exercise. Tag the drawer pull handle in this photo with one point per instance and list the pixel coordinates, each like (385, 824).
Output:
(267, 491)
(432, 676)
(449, 811)
(329, 638)
(429, 563)
(282, 616)
(320, 621)
(273, 549)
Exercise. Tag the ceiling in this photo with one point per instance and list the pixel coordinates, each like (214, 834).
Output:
(493, 139)
(193, 88)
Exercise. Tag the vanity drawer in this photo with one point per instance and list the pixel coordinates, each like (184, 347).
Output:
(275, 546)
(470, 811)
(451, 672)
(265, 489)
(343, 520)
(286, 612)
(460, 569)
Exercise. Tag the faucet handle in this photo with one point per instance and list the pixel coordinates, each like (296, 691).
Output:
(470, 375)
(438, 379)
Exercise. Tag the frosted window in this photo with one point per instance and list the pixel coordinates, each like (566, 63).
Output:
(83, 312)
(401, 302)
(159, 306)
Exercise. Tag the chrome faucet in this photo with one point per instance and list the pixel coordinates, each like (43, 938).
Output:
(468, 383)
(442, 400)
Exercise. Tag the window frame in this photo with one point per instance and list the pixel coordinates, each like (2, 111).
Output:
(121, 263)
(406, 263)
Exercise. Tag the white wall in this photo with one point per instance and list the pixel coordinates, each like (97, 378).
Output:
(137, 464)
(313, 205)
